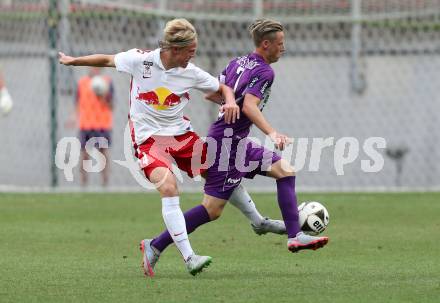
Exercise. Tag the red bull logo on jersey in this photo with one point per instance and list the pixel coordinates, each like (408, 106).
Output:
(161, 98)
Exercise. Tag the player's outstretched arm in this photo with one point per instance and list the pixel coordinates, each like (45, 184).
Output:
(97, 60)
(251, 110)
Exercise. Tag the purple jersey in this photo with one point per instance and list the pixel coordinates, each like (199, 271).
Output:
(246, 75)
(249, 74)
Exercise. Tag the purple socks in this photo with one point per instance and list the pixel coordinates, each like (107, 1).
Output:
(288, 205)
(194, 218)
(198, 215)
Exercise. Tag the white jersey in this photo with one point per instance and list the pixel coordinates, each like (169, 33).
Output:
(158, 96)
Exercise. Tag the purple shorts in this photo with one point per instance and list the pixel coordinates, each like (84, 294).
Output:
(86, 135)
(245, 159)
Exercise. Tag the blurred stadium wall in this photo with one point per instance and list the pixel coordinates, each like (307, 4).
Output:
(360, 68)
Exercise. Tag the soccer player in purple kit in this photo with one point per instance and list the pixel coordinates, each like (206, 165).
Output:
(251, 78)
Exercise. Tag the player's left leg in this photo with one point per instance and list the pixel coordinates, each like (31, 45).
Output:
(285, 178)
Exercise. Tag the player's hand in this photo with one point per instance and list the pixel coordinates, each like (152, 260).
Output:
(66, 60)
(231, 112)
(280, 140)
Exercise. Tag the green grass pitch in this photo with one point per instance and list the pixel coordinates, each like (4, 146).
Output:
(84, 248)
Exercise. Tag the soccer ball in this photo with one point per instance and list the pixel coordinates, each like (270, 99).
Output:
(6, 102)
(100, 86)
(313, 217)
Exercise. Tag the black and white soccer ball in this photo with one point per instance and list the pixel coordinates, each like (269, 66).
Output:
(313, 217)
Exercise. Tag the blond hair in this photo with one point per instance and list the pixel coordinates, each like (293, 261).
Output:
(178, 33)
(264, 29)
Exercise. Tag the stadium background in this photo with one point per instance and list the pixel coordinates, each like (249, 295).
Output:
(352, 68)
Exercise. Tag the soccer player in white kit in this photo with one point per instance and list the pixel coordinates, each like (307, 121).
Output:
(159, 91)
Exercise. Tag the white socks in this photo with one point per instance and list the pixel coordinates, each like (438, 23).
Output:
(175, 222)
(176, 225)
(240, 198)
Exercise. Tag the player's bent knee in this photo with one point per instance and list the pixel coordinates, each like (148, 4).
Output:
(281, 169)
(168, 190)
(214, 212)
(214, 208)
(286, 168)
